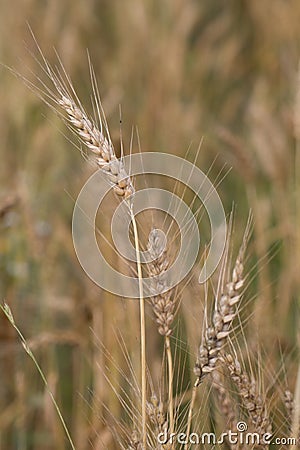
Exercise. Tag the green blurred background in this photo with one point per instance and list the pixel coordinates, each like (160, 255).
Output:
(182, 70)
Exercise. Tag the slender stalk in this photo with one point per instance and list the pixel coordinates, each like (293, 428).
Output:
(170, 383)
(142, 330)
(6, 310)
(190, 414)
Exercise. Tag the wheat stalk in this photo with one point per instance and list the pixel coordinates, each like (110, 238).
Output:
(142, 333)
(7, 311)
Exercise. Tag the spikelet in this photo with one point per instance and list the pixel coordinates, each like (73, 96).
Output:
(135, 442)
(155, 412)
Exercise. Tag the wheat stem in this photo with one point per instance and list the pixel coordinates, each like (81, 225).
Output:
(142, 330)
(170, 380)
(190, 414)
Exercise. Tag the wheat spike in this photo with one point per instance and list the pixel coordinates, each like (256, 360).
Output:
(163, 304)
(96, 138)
(224, 400)
(226, 405)
(155, 411)
(251, 398)
(215, 335)
(98, 144)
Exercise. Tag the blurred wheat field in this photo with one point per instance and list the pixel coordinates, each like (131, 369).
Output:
(227, 72)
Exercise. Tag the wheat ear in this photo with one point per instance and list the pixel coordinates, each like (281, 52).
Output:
(163, 305)
(155, 411)
(99, 145)
(215, 335)
(225, 402)
(251, 398)
(227, 407)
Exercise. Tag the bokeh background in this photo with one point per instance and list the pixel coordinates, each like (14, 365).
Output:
(182, 70)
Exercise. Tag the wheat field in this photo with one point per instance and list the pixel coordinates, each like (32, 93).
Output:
(218, 85)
